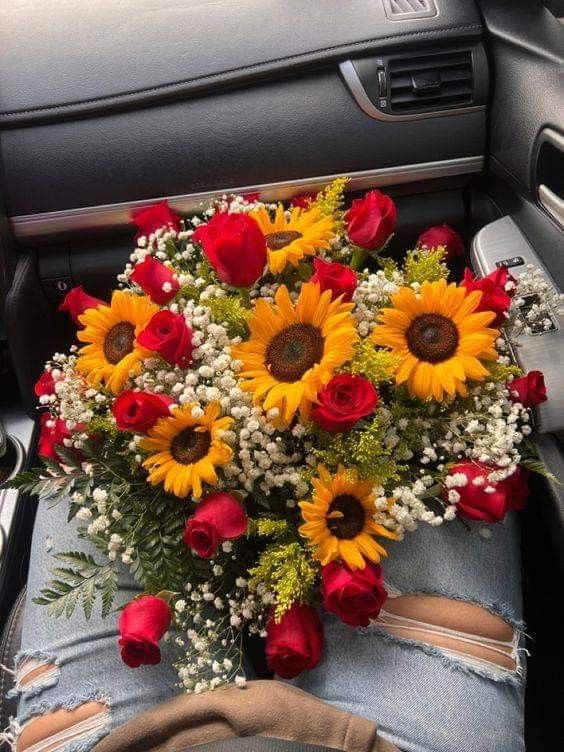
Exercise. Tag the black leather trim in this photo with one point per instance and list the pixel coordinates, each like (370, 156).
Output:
(9, 646)
(45, 74)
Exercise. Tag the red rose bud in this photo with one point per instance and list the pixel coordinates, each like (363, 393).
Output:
(45, 384)
(169, 335)
(141, 625)
(139, 411)
(156, 280)
(154, 217)
(478, 502)
(340, 279)
(529, 390)
(52, 434)
(77, 301)
(371, 220)
(494, 295)
(235, 247)
(356, 596)
(294, 644)
(343, 402)
(218, 517)
(251, 197)
(304, 200)
(442, 235)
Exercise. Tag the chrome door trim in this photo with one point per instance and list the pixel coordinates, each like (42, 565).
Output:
(352, 79)
(27, 227)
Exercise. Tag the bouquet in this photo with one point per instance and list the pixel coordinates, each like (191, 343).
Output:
(266, 404)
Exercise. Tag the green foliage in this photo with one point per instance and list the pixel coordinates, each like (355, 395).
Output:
(231, 313)
(362, 447)
(421, 266)
(287, 571)
(81, 580)
(376, 364)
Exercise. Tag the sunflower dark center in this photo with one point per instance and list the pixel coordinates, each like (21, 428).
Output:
(119, 342)
(189, 446)
(432, 337)
(350, 519)
(277, 240)
(293, 351)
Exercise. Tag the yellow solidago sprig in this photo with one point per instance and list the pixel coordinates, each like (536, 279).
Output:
(231, 313)
(286, 570)
(331, 202)
(425, 266)
(374, 363)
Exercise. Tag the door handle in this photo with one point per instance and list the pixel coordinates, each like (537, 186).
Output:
(549, 173)
(552, 203)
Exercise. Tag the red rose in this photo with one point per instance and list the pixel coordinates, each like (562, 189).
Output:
(494, 295)
(154, 217)
(443, 235)
(294, 644)
(45, 384)
(304, 200)
(77, 301)
(139, 411)
(141, 625)
(355, 596)
(343, 402)
(235, 247)
(53, 433)
(340, 279)
(169, 335)
(251, 197)
(530, 389)
(477, 503)
(218, 517)
(156, 280)
(371, 220)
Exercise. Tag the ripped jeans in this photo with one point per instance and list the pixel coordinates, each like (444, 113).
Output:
(74, 664)
(431, 687)
(432, 683)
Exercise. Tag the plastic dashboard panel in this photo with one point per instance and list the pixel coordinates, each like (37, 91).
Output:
(245, 94)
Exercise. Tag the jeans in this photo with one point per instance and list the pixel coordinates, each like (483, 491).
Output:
(424, 699)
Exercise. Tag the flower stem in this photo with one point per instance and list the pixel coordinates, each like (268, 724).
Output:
(358, 258)
(245, 297)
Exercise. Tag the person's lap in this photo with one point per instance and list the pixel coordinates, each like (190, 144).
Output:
(424, 697)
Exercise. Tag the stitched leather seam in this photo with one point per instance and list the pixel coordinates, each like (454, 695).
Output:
(244, 69)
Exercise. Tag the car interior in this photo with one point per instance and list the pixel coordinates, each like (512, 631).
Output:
(453, 107)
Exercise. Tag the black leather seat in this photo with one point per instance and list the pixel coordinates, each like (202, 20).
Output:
(9, 645)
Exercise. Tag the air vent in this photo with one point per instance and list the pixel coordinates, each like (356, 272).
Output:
(430, 82)
(404, 10)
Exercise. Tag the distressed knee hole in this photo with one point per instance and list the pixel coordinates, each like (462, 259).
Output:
(463, 629)
(56, 729)
(34, 674)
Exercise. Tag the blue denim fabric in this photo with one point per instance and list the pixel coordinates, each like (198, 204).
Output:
(423, 699)
(86, 651)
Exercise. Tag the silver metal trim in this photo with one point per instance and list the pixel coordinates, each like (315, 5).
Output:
(352, 79)
(407, 15)
(552, 202)
(28, 227)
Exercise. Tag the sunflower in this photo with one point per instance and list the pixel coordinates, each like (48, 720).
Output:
(339, 519)
(294, 350)
(290, 239)
(111, 354)
(187, 450)
(439, 337)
